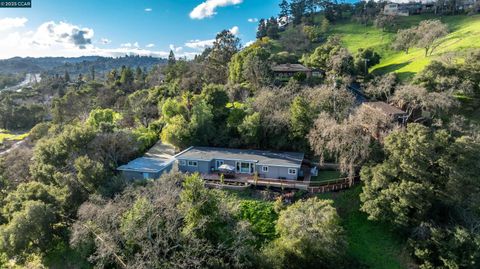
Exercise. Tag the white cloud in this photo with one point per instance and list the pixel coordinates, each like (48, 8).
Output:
(105, 41)
(64, 39)
(175, 49)
(151, 45)
(10, 23)
(130, 45)
(148, 10)
(208, 8)
(249, 43)
(51, 33)
(235, 30)
(199, 44)
(253, 20)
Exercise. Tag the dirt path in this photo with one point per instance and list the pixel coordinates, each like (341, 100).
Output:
(14, 146)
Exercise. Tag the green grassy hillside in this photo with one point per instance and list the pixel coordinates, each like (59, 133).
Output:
(464, 36)
(372, 244)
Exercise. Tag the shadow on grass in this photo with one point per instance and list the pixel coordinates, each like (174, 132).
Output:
(406, 76)
(390, 68)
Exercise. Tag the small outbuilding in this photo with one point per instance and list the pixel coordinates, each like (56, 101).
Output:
(286, 71)
(158, 160)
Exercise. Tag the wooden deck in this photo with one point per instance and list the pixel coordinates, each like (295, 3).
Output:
(310, 186)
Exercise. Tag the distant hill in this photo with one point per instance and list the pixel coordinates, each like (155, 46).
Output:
(75, 66)
(464, 37)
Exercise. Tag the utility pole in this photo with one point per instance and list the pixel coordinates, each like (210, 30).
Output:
(366, 65)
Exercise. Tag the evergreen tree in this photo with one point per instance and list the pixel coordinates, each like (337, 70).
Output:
(284, 10)
(262, 29)
(92, 72)
(297, 9)
(66, 77)
(171, 58)
(272, 28)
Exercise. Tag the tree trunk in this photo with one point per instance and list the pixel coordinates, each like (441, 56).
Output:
(426, 52)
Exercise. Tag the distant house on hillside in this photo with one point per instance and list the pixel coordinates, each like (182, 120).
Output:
(286, 71)
(158, 160)
(396, 114)
(404, 9)
(395, 9)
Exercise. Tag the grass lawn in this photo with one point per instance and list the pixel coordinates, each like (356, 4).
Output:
(463, 37)
(371, 243)
(326, 175)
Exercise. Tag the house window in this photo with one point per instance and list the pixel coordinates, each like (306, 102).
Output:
(193, 163)
(183, 162)
(146, 176)
(292, 171)
(265, 169)
(244, 167)
(219, 163)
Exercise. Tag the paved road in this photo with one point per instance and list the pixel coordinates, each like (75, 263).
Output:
(29, 80)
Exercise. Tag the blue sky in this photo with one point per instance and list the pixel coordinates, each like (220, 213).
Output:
(116, 27)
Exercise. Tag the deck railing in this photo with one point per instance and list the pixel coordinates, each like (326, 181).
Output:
(314, 186)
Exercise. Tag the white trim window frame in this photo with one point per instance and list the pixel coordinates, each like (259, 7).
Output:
(193, 163)
(292, 171)
(265, 169)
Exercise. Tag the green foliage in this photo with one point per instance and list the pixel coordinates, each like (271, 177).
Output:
(200, 207)
(217, 98)
(143, 105)
(32, 191)
(53, 154)
(301, 118)
(30, 230)
(140, 212)
(224, 47)
(250, 129)
(177, 132)
(161, 225)
(146, 138)
(314, 33)
(90, 173)
(410, 190)
(250, 65)
(450, 248)
(310, 235)
(262, 217)
(370, 244)
(364, 59)
(15, 116)
(104, 119)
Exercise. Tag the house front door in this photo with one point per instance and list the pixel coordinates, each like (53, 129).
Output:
(244, 168)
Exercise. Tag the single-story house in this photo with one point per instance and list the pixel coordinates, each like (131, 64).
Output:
(266, 164)
(286, 71)
(395, 9)
(158, 160)
(390, 111)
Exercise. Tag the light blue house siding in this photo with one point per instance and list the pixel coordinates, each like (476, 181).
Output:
(194, 166)
(288, 172)
(278, 172)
